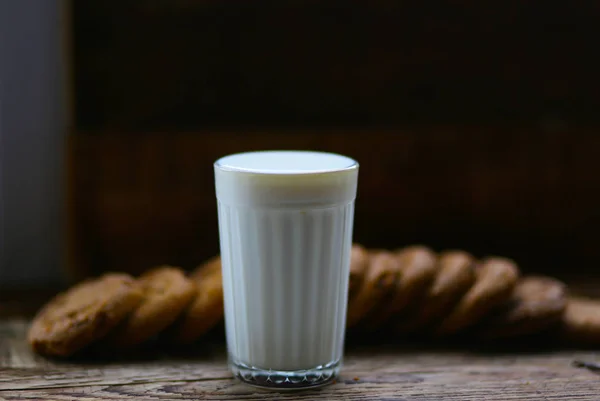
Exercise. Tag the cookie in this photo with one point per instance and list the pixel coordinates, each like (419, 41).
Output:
(83, 314)
(417, 266)
(206, 309)
(359, 262)
(379, 281)
(454, 275)
(536, 303)
(495, 279)
(581, 322)
(208, 268)
(167, 292)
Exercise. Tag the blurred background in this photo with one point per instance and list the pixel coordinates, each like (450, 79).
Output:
(475, 123)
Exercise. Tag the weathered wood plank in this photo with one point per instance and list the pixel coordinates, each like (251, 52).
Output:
(385, 373)
(575, 389)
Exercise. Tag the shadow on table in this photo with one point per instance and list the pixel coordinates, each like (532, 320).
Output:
(214, 349)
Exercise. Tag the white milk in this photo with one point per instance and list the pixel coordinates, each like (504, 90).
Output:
(285, 222)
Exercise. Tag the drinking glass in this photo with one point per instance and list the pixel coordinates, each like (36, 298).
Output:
(285, 227)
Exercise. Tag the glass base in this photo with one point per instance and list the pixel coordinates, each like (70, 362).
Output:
(286, 379)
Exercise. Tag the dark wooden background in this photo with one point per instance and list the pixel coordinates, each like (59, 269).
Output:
(475, 123)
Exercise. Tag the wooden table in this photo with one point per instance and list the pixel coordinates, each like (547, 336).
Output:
(370, 373)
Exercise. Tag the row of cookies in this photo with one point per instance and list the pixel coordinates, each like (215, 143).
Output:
(117, 311)
(415, 291)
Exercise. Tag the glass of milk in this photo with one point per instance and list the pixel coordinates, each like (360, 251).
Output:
(285, 226)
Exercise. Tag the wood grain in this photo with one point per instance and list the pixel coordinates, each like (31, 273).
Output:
(523, 192)
(175, 65)
(494, 108)
(384, 373)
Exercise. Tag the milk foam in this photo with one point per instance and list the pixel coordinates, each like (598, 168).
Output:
(285, 178)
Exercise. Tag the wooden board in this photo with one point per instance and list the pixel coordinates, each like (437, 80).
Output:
(510, 168)
(166, 64)
(384, 373)
(148, 199)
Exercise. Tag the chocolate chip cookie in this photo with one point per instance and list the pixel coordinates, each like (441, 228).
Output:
(83, 314)
(495, 279)
(206, 309)
(379, 281)
(536, 303)
(167, 292)
(417, 267)
(454, 275)
(581, 322)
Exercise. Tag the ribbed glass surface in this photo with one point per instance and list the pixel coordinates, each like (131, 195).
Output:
(285, 278)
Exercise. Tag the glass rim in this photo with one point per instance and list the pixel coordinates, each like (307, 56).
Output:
(353, 164)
